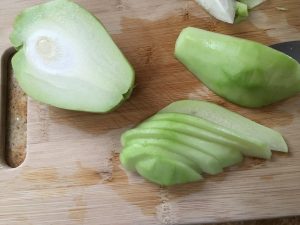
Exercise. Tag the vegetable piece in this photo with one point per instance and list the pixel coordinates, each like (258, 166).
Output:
(160, 166)
(224, 154)
(241, 12)
(260, 151)
(67, 59)
(229, 120)
(281, 8)
(204, 162)
(189, 137)
(203, 128)
(237, 69)
(135, 153)
(167, 172)
(221, 9)
(252, 3)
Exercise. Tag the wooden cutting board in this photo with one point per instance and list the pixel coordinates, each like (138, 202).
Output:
(72, 173)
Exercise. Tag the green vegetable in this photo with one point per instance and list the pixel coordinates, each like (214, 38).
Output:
(191, 137)
(137, 152)
(229, 11)
(203, 161)
(261, 150)
(159, 166)
(230, 121)
(221, 9)
(67, 59)
(167, 172)
(207, 130)
(226, 156)
(241, 12)
(244, 72)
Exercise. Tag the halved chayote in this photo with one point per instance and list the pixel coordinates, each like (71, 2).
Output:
(66, 58)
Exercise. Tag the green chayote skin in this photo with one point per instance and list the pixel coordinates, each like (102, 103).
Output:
(242, 71)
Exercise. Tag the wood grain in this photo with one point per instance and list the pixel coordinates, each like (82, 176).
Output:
(72, 173)
(16, 122)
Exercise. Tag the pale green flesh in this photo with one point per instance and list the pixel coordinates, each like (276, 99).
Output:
(224, 154)
(236, 69)
(131, 154)
(88, 72)
(241, 12)
(194, 136)
(254, 151)
(204, 162)
(223, 10)
(166, 172)
(229, 120)
(239, 141)
(241, 9)
(167, 168)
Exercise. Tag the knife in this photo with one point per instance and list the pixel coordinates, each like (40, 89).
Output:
(290, 48)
